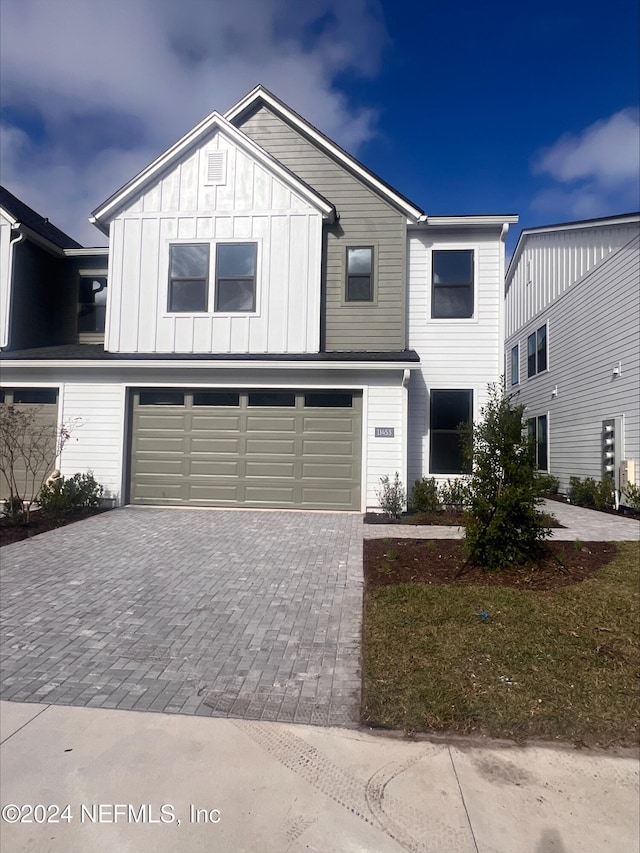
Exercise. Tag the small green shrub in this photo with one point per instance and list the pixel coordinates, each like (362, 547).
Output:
(632, 496)
(68, 495)
(455, 494)
(391, 496)
(13, 509)
(596, 494)
(549, 485)
(424, 495)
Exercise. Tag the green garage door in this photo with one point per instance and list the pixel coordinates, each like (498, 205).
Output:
(43, 403)
(246, 448)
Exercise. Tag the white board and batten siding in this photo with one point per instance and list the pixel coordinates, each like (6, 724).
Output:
(591, 326)
(457, 354)
(251, 206)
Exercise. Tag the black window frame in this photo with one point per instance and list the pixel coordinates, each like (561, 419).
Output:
(436, 467)
(468, 287)
(515, 362)
(359, 278)
(196, 279)
(253, 278)
(86, 309)
(538, 433)
(537, 351)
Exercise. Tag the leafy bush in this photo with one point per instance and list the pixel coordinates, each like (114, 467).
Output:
(391, 496)
(632, 496)
(549, 485)
(503, 524)
(14, 510)
(424, 495)
(455, 494)
(596, 494)
(64, 496)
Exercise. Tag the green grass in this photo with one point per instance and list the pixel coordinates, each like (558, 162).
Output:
(562, 664)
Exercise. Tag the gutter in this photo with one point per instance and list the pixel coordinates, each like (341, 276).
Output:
(13, 242)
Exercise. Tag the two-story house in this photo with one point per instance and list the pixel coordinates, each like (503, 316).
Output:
(572, 346)
(281, 328)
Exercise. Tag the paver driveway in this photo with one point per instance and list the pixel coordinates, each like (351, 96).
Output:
(213, 612)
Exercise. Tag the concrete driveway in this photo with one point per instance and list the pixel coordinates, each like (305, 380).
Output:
(244, 614)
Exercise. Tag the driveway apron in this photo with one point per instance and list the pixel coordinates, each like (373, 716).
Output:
(246, 614)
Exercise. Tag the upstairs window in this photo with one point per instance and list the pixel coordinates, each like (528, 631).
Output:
(359, 274)
(235, 277)
(450, 411)
(515, 364)
(537, 351)
(188, 277)
(92, 303)
(452, 284)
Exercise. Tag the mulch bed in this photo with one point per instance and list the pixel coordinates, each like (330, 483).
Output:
(448, 518)
(437, 561)
(39, 523)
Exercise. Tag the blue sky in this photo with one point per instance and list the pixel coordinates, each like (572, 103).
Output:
(492, 107)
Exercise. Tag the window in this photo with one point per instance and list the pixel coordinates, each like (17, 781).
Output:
(37, 396)
(216, 398)
(537, 430)
(236, 277)
(92, 303)
(188, 277)
(272, 398)
(360, 274)
(328, 400)
(161, 398)
(515, 364)
(452, 290)
(537, 351)
(449, 410)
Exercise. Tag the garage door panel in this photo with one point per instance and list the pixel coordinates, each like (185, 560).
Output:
(265, 455)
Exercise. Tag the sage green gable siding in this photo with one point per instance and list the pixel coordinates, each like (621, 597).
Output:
(365, 220)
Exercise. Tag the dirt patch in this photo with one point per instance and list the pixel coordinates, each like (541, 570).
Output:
(437, 561)
(39, 523)
(446, 517)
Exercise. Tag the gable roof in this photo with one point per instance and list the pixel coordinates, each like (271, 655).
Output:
(102, 215)
(262, 96)
(20, 213)
(580, 224)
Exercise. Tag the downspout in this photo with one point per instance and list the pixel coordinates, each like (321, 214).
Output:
(502, 303)
(406, 375)
(13, 242)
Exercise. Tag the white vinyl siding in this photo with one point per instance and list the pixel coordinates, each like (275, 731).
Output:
(592, 326)
(252, 206)
(384, 456)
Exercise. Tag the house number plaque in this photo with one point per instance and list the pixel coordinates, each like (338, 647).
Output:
(384, 432)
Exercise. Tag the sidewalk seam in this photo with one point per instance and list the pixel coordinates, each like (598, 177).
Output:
(466, 810)
(24, 725)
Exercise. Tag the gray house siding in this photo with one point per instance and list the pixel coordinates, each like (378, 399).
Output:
(365, 220)
(590, 328)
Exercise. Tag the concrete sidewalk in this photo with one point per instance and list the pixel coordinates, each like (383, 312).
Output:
(141, 781)
(578, 523)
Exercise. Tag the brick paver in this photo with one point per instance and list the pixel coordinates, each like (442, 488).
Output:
(211, 612)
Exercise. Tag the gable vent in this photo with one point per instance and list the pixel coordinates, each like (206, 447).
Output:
(216, 168)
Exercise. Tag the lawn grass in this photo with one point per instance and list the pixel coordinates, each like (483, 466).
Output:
(560, 664)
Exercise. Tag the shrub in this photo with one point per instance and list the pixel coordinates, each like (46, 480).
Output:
(14, 510)
(503, 524)
(455, 493)
(391, 496)
(424, 495)
(65, 496)
(549, 485)
(632, 496)
(596, 494)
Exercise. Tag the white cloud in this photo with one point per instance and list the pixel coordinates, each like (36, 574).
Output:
(102, 88)
(598, 170)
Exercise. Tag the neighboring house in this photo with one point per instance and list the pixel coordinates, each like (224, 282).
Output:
(572, 348)
(281, 328)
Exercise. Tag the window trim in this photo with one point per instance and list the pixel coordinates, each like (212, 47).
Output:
(371, 276)
(454, 247)
(471, 397)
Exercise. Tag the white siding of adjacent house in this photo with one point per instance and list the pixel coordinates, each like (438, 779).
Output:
(252, 205)
(454, 354)
(591, 327)
(5, 278)
(385, 406)
(94, 413)
(553, 261)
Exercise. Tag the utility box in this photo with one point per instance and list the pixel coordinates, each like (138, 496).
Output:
(612, 450)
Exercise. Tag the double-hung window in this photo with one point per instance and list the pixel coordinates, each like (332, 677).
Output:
(538, 436)
(451, 412)
(537, 351)
(359, 274)
(452, 284)
(515, 364)
(92, 303)
(190, 273)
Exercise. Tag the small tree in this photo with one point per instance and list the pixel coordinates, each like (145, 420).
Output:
(28, 451)
(503, 526)
(391, 496)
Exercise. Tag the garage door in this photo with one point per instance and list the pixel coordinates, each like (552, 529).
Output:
(43, 403)
(253, 448)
